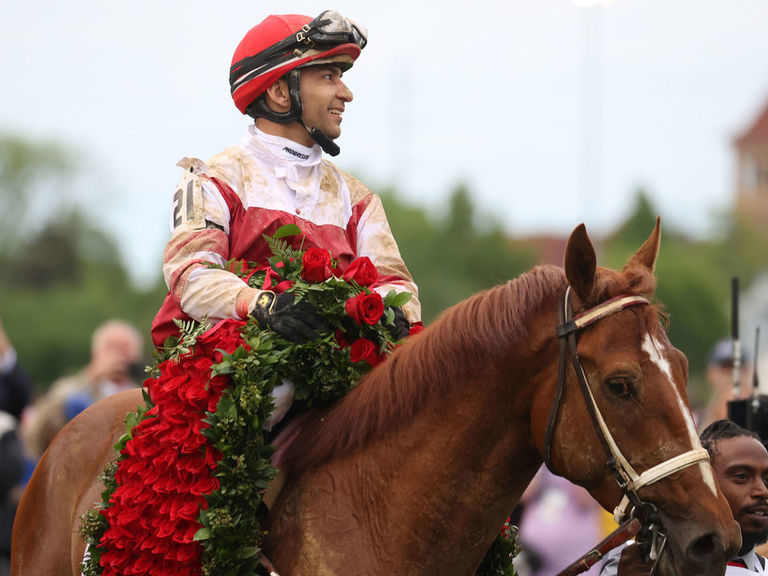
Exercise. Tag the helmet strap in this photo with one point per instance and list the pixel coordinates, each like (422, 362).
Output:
(329, 146)
(258, 108)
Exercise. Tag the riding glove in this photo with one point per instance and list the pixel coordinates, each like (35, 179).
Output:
(400, 326)
(297, 322)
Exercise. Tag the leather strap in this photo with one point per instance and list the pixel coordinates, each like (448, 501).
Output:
(616, 538)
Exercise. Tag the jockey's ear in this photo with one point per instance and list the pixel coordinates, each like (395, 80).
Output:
(647, 253)
(580, 263)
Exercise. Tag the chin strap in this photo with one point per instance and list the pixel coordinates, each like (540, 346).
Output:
(329, 146)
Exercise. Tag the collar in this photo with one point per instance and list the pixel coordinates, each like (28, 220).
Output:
(282, 150)
(751, 560)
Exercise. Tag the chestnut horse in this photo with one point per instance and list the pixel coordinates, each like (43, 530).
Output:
(415, 470)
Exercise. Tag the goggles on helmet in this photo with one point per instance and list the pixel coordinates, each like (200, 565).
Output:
(328, 30)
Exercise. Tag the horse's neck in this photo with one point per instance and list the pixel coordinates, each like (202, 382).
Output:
(472, 445)
(438, 488)
(468, 447)
(433, 485)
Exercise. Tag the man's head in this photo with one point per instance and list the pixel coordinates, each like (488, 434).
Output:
(740, 462)
(117, 350)
(268, 65)
(720, 369)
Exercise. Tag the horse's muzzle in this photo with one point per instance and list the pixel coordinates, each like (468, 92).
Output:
(701, 553)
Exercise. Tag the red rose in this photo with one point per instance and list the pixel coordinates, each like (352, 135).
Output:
(416, 328)
(364, 349)
(341, 339)
(225, 335)
(362, 271)
(365, 308)
(316, 265)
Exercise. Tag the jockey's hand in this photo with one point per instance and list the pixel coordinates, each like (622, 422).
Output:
(632, 562)
(297, 322)
(399, 329)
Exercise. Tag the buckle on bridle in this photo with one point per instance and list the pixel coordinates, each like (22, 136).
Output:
(650, 538)
(566, 328)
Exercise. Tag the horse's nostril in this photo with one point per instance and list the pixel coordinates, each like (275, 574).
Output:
(705, 546)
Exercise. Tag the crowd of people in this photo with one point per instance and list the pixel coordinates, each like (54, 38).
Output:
(15, 395)
(29, 421)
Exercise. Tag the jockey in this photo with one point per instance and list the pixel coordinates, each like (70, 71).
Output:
(286, 74)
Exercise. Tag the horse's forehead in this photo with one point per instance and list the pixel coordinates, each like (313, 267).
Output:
(658, 352)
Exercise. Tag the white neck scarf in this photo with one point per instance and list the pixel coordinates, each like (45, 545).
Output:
(287, 150)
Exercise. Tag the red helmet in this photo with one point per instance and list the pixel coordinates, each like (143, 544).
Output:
(281, 43)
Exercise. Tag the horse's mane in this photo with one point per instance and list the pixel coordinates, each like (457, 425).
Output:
(459, 342)
(398, 388)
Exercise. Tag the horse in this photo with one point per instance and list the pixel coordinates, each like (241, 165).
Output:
(416, 470)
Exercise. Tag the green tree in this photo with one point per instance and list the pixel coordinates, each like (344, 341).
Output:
(62, 275)
(29, 170)
(694, 279)
(454, 255)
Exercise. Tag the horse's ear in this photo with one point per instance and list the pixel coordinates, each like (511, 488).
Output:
(580, 263)
(647, 253)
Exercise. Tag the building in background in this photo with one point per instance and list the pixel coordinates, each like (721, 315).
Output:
(751, 201)
(751, 149)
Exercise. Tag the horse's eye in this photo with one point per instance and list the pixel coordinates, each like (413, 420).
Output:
(621, 387)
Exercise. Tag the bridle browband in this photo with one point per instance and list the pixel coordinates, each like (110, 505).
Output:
(627, 478)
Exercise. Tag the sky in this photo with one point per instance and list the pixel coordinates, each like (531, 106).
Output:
(551, 113)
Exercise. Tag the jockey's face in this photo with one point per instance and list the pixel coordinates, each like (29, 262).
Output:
(323, 96)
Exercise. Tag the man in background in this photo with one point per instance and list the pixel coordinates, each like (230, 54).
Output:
(15, 392)
(740, 462)
(720, 381)
(115, 365)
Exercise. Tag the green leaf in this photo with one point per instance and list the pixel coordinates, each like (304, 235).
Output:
(202, 534)
(287, 230)
(397, 300)
(249, 551)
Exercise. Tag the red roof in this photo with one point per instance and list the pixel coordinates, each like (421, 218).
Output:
(756, 133)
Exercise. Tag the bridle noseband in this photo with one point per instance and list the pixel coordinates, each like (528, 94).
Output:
(627, 478)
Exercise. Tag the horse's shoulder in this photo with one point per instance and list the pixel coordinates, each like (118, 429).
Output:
(99, 424)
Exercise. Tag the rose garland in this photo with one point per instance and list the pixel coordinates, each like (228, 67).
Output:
(184, 496)
(498, 559)
(186, 488)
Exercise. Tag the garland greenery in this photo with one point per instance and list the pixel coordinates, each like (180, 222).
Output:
(498, 559)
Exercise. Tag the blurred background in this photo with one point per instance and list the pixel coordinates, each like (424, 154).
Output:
(491, 129)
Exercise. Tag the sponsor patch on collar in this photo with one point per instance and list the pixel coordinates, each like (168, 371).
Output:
(295, 153)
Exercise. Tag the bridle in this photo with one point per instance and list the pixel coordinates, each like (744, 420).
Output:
(629, 481)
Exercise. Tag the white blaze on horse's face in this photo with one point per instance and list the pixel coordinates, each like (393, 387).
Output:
(653, 348)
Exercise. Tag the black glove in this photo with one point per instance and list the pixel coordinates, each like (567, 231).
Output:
(295, 322)
(400, 326)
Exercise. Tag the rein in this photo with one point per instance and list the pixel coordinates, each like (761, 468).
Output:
(628, 479)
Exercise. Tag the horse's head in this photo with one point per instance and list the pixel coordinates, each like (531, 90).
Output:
(621, 398)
